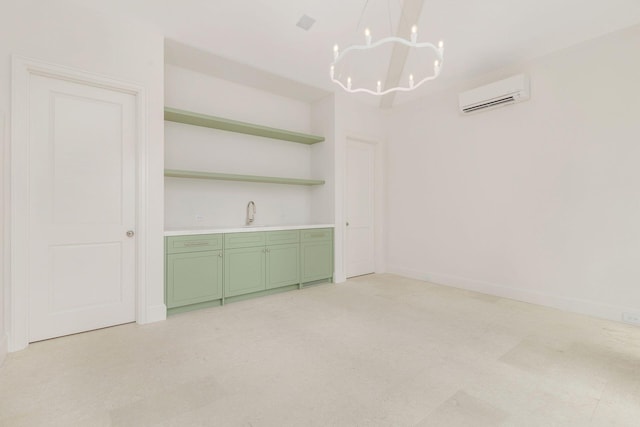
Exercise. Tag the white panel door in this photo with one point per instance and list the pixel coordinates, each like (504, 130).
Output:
(360, 208)
(82, 142)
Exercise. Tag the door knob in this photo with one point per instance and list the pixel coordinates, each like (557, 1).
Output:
(347, 223)
(130, 233)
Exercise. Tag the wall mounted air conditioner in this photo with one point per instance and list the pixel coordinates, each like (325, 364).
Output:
(504, 92)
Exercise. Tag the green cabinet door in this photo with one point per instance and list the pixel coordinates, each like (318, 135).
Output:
(316, 260)
(283, 265)
(193, 278)
(244, 271)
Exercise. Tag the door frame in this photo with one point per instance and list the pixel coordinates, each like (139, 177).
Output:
(378, 197)
(22, 69)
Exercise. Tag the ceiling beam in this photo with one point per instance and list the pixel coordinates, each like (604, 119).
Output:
(195, 59)
(410, 14)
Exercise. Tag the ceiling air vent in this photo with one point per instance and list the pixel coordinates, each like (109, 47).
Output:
(305, 22)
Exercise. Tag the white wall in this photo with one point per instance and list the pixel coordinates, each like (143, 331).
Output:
(323, 118)
(68, 35)
(192, 202)
(539, 201)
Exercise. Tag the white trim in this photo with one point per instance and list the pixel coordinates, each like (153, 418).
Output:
(18, 313)
(4, 347)
(142, 205)
(589, 308)
(5, 261)
(22, 69)
(156, 313)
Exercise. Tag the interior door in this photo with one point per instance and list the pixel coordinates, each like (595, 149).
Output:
(82, 142)
(360, 208)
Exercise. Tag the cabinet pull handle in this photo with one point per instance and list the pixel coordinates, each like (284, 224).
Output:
(196, 244)
(220, 255)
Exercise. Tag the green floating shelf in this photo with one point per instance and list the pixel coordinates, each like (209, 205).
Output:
(190, 118)
(245, 178)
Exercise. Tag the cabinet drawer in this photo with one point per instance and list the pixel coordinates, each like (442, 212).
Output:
(316, 234)
(282, 237)
(244, 240)
(197, 243)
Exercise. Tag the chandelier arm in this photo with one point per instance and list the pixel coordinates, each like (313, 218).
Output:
(395, 89)
(385, 40)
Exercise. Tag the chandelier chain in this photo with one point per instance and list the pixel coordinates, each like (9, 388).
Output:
(362, 15)
(389, 16)
(403, 22)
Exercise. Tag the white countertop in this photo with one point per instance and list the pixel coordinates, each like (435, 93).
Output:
(190, 231)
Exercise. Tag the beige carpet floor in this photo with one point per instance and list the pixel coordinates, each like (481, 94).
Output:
(379, 350)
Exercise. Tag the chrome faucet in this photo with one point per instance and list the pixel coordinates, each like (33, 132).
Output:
(251, 212)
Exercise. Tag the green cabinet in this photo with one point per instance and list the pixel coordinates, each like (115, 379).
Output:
(205, 270)
(283, 265)
(197, 243)
(316, 254)
(193, 270)
(244, 271)
(193, 278)
(244, 240)
(253, 265)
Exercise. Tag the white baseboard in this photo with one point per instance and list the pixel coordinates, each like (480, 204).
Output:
(4, 347)
(590, 308)
(339, 277)
(156, 313)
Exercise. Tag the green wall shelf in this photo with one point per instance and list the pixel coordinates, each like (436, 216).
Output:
(190, 118)
(245, 178)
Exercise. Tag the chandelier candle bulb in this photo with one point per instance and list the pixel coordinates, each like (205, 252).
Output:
(411, 81)
(332, 71)
(441, 47)
(379, 86)
(349, 83)
(414, 34)
(335, 52)
(367, 36)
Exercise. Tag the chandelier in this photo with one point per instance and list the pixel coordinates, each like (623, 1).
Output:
(406, 83)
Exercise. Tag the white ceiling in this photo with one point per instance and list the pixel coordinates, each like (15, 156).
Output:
(480, 35)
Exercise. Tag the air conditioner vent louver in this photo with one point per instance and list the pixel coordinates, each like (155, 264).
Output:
(509, 91)
(494, 103)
